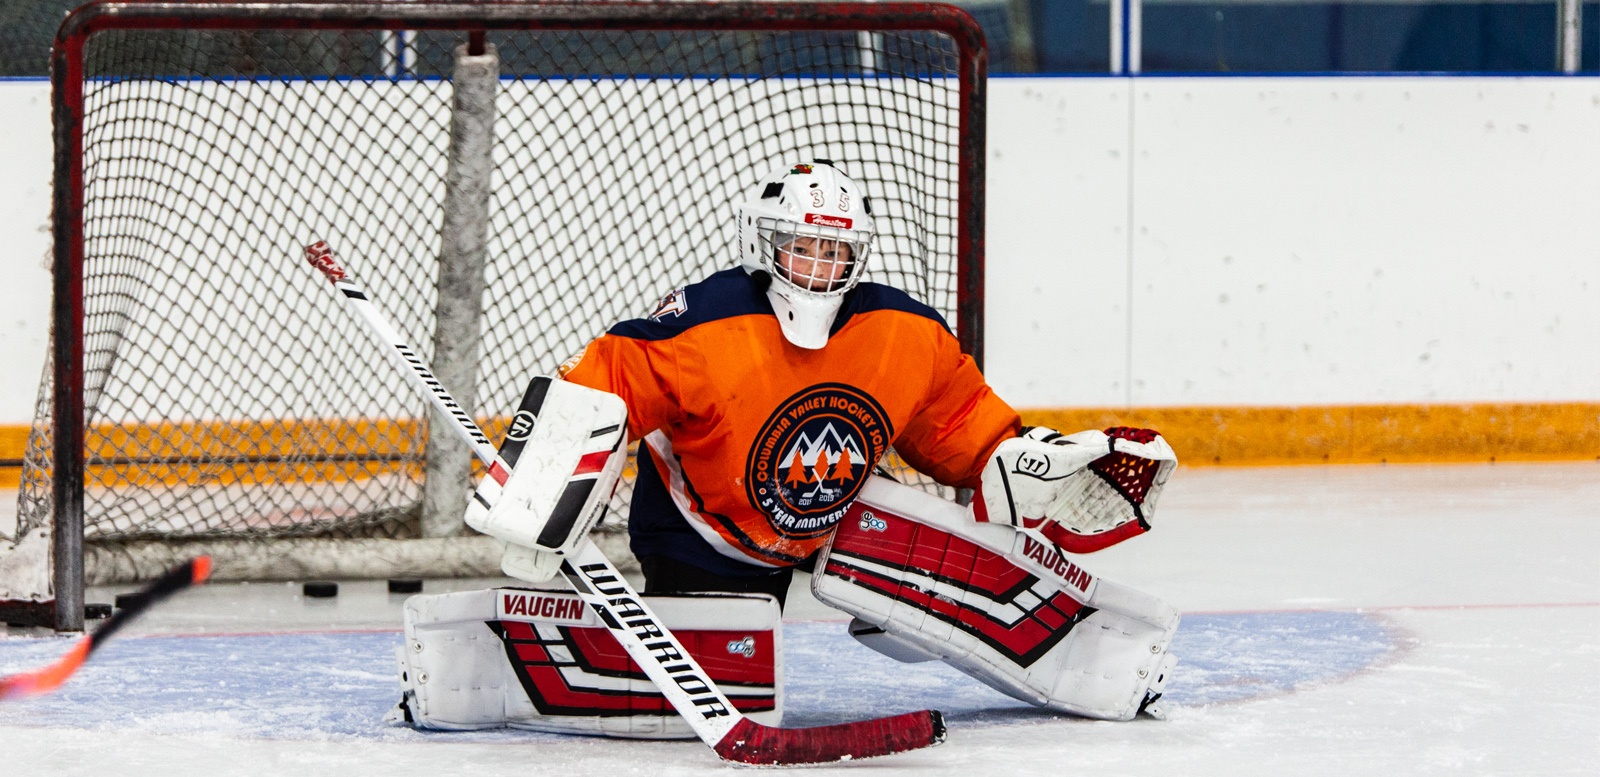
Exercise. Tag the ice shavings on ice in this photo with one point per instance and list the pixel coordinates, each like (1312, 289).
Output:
(338, 685)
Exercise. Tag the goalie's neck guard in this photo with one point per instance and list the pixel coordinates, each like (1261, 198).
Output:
(805, 322)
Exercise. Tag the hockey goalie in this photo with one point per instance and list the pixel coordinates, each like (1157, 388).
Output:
(763, 397)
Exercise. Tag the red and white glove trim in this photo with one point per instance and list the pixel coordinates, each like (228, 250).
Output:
(1083, 492)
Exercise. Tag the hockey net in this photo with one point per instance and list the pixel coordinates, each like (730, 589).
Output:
(225, 395)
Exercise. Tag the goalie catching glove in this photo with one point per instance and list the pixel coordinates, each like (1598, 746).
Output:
(1082, 492)
(566, 446)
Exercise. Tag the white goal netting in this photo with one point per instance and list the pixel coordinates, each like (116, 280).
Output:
(227, 396)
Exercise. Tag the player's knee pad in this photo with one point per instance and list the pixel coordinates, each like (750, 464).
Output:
(925, 582)
(541, 660)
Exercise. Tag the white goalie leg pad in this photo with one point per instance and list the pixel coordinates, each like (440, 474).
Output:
(539, 659)
(566, 446)
(923, 581)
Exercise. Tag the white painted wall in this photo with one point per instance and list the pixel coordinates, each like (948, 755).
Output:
(1294, 240)
(25, 165)
(1180, 241)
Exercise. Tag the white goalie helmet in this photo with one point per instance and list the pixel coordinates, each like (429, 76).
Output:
(807, 229)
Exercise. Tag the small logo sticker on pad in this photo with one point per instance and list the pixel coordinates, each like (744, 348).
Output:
(743, 647)
(521, 425)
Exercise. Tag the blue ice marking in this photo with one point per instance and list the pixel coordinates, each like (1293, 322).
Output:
(339, 685)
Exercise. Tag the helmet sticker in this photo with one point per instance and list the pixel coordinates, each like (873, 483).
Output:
(812, 457)
(801, 170)
(828, 221)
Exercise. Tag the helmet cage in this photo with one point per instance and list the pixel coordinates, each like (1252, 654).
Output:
(777, 238)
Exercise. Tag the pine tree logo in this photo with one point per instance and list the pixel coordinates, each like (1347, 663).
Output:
(843, 469)
(825, 459)
(797, 474)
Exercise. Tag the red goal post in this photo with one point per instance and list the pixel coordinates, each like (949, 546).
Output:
(894, 92)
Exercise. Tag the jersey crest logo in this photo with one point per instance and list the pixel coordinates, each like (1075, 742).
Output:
(812, 457)
(673, 304)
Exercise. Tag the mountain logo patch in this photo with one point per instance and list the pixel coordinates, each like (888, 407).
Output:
(812, 457)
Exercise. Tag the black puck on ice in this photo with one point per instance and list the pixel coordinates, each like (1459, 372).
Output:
(320, 590)
(97, 611)
(124, 601)
(405, 586)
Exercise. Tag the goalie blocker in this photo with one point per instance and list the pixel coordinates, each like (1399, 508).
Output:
(566, 446)
(925, 582)
(537, 658)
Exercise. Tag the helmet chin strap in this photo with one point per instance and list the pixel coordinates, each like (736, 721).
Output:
(805, 320)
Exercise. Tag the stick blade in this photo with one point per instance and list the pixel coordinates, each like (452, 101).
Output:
(47, 679)
(757, 745)
(190, 573)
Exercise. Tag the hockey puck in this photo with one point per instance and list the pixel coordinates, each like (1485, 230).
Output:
(405, 586)
(124, 601)
(320, 589)
(97, 611)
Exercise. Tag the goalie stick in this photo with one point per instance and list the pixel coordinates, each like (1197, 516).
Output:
(189, 573)
(650, 644)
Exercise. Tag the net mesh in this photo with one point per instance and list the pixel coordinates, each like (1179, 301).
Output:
(229, 395)
(1132, 476)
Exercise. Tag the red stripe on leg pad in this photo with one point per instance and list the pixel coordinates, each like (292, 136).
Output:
(980, 508)
(499, 473)
(592, 463)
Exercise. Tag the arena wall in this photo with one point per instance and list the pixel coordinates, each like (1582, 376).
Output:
(1271, 269)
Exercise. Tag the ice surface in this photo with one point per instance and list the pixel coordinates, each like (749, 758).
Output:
(338, 685)
(1340, 620)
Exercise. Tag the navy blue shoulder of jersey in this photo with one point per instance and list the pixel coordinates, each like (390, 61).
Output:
(867, 297)
(732, 293)
(724, 294)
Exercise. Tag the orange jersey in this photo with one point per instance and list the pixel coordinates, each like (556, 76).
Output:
(756, 446)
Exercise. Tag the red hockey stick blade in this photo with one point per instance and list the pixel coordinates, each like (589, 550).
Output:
(757, 745)
(49, 678)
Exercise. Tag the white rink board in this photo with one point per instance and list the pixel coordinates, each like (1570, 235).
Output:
(1220, 241)
(1366, 240)
(1057, 313)
(1294, 240)
(25, 156)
